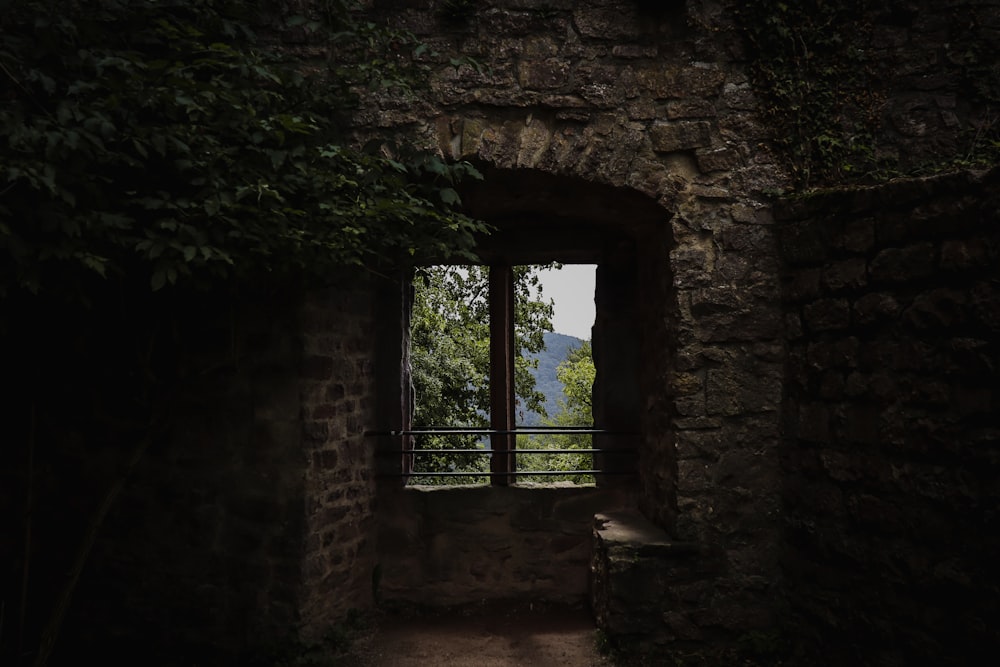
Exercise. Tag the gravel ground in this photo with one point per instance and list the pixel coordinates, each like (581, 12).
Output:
(488, 636)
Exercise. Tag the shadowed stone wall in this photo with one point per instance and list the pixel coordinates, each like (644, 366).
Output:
(338, 408)
(891, 466)
(646, 102)
(455, 545)
(253, 517)
(657, 99)
(242, 522)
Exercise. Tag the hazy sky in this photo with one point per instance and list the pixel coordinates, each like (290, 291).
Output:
(572, 289)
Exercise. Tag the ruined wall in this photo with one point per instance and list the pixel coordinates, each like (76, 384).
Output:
(892, 473)
(240, 522)
(206, 537)
(465, 545)
(252, 517)
(658, 98)
(338, 405)
(646, 100)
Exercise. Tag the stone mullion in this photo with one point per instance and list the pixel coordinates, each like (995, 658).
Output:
(502, 355)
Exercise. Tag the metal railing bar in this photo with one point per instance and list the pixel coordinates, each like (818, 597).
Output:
(516, 473)
(533, 430)
(509, 451)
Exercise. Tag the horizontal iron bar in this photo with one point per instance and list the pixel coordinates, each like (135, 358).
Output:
(487, 428)
(508, 451)
(550, 473)
(533, 430)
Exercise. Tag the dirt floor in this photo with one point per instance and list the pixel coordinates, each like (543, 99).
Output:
(495, 636)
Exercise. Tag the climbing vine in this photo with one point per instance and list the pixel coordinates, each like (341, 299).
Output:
(167, 141)
(809, 58)
(818, 67)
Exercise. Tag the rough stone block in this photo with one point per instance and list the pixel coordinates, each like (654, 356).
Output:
(827, 314)
(633, 51)
(690, 108)
(847, 274)
(702, 79)
(614, 23)
(814, 422)
(962, 255)
(685, 135)
(545, 75)
(937, 309)
(635, 566)
(804, 243)
(875, 307)
(903, 264)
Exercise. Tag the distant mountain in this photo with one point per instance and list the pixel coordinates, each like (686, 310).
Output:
(557, 346)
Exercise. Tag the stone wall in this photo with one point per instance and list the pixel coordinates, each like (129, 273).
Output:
(657, 99)
(647, 590)
(466, 545)
(892, 473)
(242, 521)
(650, 102)
(252, 515)
(338, 409)
(206, 539)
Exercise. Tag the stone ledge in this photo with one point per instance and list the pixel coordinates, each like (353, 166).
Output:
(629, 529)
(646, 588)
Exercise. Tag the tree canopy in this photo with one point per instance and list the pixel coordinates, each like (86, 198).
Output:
(168, 141)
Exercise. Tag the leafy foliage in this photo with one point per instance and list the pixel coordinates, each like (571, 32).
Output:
(165, 146)
(818, 65)
(577, 374)
(556, 347)
(810, 60)
(164, 140)
(450, 356)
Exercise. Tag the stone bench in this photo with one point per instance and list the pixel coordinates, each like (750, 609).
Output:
(647, 589)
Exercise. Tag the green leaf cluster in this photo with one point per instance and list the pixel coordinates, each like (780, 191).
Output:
(167, 141)
(576, 408)
(810, 58)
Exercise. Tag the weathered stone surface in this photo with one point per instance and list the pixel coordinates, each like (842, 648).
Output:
(889, 399)
(690, 108)
(827, 314)
(455, 545)
(608, 23)
(544, 75)
(846, 274)
(962, 255)
(719, 159)
(878, 415)
(634, 563)
(685, 135)
(903, 264)
(875, 306)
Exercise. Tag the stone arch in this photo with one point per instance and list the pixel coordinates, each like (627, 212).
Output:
(610, 150)
(539, 217)
(661, 108)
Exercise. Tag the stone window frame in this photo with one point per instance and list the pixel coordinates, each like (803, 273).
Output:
(537, 219)
(501, 299)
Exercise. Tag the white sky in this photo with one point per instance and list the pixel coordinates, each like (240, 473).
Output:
(572, 289)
